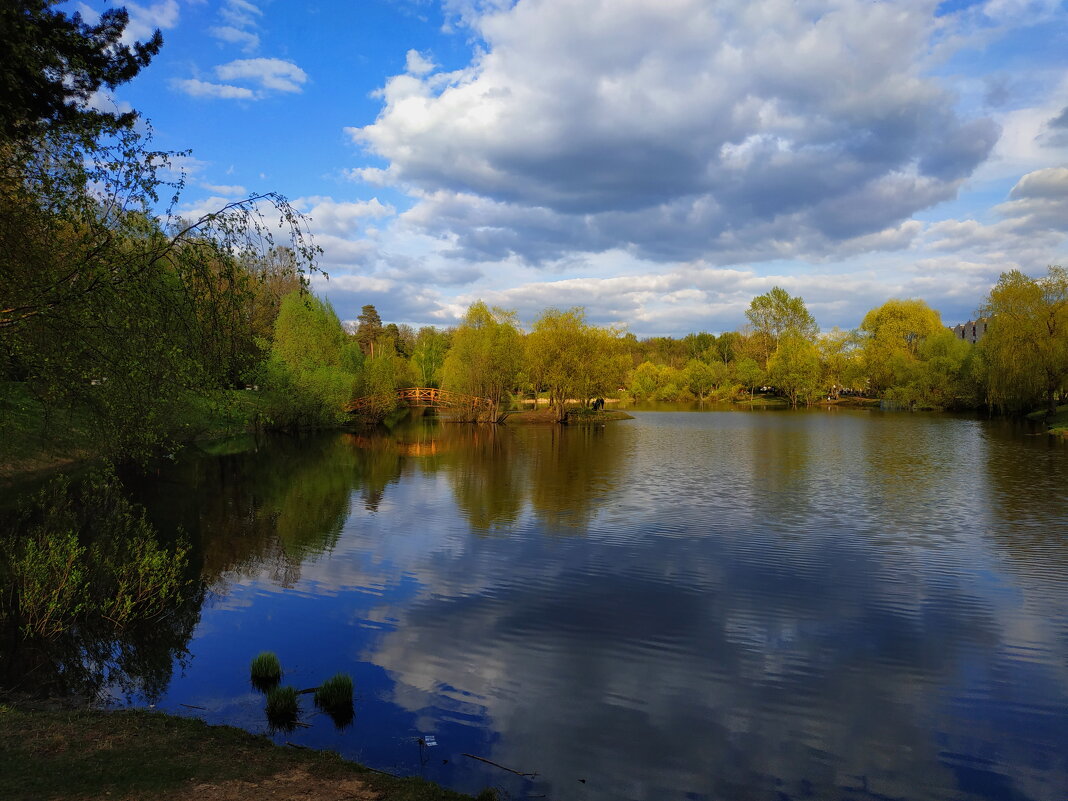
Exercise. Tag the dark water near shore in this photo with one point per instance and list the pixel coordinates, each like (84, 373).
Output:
(768, 605)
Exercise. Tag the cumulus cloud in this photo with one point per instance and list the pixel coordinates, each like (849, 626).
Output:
(731, 131)
(194, 87)
(248, 40)
(339, 217)
(418, 64)
(270, 73)
(1032, 223)
(267, 76)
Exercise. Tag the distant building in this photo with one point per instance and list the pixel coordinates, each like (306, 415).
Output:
(971, 331)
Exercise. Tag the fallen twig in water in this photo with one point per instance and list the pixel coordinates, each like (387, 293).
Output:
(498, 765)
(190, 706)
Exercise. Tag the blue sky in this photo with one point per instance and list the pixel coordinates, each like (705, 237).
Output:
(659, 162)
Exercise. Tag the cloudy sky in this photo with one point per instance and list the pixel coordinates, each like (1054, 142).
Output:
(659, 162)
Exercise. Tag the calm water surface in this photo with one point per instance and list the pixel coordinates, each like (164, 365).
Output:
(776, 605)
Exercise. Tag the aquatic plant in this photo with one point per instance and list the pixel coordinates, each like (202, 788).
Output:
(265, 671)
(282, 708)
(334, 696)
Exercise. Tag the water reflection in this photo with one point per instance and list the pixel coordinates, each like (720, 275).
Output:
(736, 605)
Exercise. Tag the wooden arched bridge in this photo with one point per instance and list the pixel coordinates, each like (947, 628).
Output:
(478, 408)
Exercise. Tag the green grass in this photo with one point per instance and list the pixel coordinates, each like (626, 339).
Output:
(1057, 423)
(33, 442)
(334, 696)
(137, 756)
(282, 707)
(265, 671)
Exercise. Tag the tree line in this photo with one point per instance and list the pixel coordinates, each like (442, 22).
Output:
(901, 352)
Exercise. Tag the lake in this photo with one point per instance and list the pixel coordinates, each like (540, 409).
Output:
(690, 605)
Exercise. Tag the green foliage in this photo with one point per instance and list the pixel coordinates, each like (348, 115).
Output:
(308, 376)
(748, 373)
(573, 360)
(892, 335)
(86, 556)
(486, 354)
(282, 707)
(116, 313)
(53, 63)
(774, 314)
(369, 329)
(1025, 350)
(794, 368)
(334, 696)
(265, 671)
(428, 356)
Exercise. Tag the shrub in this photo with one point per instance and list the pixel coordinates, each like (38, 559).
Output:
(282, 707)
(334, 696)
(265, 671)
(86, 556)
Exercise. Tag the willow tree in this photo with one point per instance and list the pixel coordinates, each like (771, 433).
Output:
(572, 360)
(486, 355)
(891, 339)
(1026, 344)
(794, 368)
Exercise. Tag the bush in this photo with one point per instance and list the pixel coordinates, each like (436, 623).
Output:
(335, 694)
(265, 671)
(282, 708)
(86, 556)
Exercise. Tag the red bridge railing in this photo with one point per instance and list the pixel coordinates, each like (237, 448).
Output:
(431, 397)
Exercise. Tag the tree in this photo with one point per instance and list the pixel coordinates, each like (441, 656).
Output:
(644, 380)
(795, 367)
(369, 329)
(891, 338)
(54, 63)
(775, 313)
(306, 376)
(555, 350)
(1026, 344)
(748, 373)
(486, 354)
(700, 377)
(428, 355)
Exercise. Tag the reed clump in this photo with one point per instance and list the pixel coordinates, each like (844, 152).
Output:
(265, 671)
(334, 696)
(282, 707)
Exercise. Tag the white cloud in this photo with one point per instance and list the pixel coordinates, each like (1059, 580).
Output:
(144, 20)
(248, 40)
(240, 13)
(341, 218)
(194, 87)
(270, 73)
(417, 64)
(682, 129)
(227, 190)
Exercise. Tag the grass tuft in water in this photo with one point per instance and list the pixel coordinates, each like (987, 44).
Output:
(334, 696)
(265, 671)
(282, 708)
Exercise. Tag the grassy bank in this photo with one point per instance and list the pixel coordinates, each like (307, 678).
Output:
(132, 755)
(1057, 423)
(35, 442)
